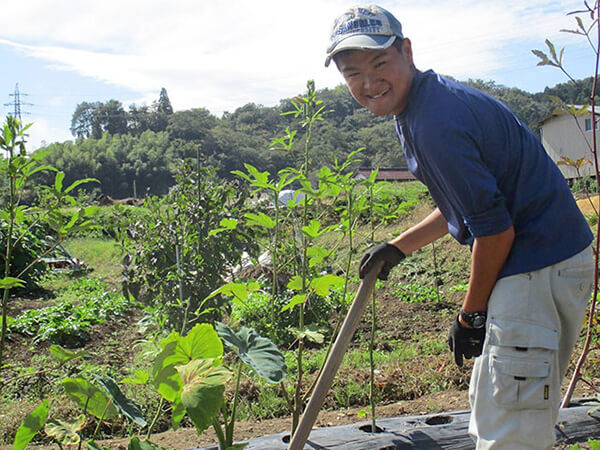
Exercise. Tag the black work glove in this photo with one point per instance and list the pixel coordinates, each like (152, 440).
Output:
(467, 342)
(388, 253)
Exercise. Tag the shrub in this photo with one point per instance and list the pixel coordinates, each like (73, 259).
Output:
(29, 248)
(184, 219)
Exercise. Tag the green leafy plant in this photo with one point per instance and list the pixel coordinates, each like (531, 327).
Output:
(172, 253)
(18, 168)
(262, 356)
(416, 293)
(189, 373)
(31, 425)
(68, 323)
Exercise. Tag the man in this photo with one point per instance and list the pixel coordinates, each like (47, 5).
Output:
(497, 191)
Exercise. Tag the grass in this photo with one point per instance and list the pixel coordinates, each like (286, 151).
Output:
(101, 255)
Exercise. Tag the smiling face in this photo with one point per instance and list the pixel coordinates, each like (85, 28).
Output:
(380, 80)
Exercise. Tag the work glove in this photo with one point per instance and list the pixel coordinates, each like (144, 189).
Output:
(388, 253)
(467, 342)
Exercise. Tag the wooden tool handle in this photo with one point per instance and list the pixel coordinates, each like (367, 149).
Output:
(335, 359)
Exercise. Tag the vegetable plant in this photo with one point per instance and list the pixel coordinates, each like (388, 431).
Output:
(18, 168)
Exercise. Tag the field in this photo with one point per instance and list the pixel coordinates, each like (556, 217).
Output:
(414, 372)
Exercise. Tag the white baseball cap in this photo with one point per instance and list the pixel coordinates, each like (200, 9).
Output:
(368, 27)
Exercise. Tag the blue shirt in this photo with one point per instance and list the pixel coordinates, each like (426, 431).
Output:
(486, 171)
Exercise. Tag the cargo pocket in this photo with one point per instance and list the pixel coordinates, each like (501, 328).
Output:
(521, 364)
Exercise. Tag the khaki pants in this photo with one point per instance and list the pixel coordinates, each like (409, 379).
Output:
(533, 322)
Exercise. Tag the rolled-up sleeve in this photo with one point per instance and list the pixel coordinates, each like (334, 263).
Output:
(459, 179)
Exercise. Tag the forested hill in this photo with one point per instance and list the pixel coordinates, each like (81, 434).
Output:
(144, 143)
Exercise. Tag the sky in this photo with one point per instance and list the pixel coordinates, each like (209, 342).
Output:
(223, 54)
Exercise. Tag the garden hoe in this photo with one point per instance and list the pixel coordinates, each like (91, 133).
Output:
(335, 358)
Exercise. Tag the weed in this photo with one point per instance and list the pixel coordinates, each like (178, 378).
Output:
(415, 293)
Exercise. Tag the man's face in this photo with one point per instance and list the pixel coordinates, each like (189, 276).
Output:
(380, 80)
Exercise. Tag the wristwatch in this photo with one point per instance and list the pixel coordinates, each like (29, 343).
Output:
(475, 320)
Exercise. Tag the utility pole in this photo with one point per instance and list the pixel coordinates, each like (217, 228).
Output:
(17, 103)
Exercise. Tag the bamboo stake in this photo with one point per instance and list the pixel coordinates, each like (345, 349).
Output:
(335, 359)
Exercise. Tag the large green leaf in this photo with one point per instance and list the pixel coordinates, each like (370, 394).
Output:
(203, 390)
(178, 412)
(65, 432)
(322, 285)
(201, 342)
(137, 444)
(140, 377)
(64, 355)
(83, 393)
(166, 380)
(30, 426)
(256, 351)
(125, 405)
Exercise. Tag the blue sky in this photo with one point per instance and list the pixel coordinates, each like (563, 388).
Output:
(223, 54)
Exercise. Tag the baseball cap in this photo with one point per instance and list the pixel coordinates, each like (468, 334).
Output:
(368, 27)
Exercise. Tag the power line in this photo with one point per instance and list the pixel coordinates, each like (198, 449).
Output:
(17, 103)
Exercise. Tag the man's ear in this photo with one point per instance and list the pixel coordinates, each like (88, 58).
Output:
(407, 51)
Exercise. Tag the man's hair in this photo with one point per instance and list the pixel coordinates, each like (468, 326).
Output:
(397, 44)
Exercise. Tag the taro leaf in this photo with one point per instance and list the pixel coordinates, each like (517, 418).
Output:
(178, 412)
(64, 355)
(32, 423)
(65, 432)
(166, 380)
(203, 390)
(137, 444)
(83, 393)
(140, 377)
(201, 342)
(125, 405)
(256, 351)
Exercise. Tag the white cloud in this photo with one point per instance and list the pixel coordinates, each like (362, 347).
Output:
(42, 132)
(222, 55)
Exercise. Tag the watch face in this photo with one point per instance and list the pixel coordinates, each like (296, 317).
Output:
(478, 321)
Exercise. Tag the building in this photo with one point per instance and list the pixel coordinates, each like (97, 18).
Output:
(564, 136)
(392, 174)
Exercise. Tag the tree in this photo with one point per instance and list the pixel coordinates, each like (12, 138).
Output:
(90, 120)
(84, 123)
(164, 104)
(192, 124)
(112, 117)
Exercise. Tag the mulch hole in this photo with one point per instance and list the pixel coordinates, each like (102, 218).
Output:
(438, 420)
(368, 428)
